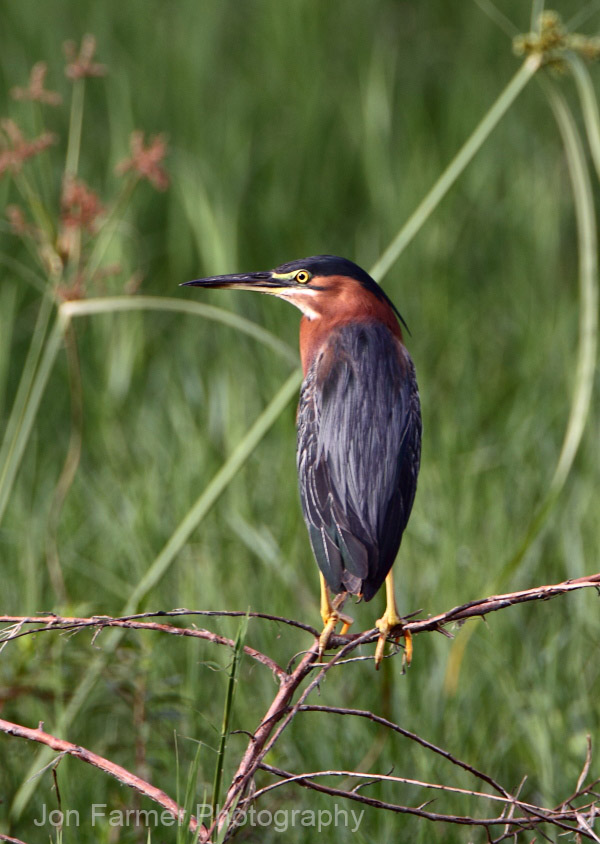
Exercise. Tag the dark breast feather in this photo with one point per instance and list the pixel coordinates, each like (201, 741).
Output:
(359, 443)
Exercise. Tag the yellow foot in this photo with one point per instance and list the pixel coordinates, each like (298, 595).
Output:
(388, 625)
(331, 615)
(330, 625)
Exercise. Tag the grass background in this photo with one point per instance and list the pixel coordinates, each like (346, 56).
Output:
(297, 129)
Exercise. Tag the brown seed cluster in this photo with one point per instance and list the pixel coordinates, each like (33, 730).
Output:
(553, 40)
(35, 91)
(147, 161)
(15, 149)
(80, 207)
(18, 222)
(81, 63)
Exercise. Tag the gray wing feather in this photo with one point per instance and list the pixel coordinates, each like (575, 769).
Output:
(359, 438)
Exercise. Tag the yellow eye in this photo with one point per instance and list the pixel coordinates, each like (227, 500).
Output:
(302, 277)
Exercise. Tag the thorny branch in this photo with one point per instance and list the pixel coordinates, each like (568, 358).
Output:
(116, 771)
(557, 817)
(484, 606)
(438, 623)
(576, 814)
(10, 840)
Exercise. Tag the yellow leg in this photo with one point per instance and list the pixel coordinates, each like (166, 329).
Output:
(390, 620)
(331, 615)
(326, 608)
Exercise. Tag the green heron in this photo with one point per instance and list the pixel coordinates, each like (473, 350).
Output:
(359, 428)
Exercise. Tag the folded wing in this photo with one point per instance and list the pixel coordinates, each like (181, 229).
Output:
(359, 441)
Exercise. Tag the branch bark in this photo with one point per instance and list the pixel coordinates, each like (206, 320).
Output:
(119, 773)
(537, 815)
(99, 622)
(437, 623)
(11, 840)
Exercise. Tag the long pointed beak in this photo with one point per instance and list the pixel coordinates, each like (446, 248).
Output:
(262, 282)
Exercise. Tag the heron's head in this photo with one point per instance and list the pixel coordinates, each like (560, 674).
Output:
(322, 285)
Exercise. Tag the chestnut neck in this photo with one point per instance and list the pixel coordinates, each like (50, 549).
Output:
(344, 301)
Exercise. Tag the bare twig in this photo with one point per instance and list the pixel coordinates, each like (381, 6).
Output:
(376, 719)
(586, 764)
(99, 622)
(553, 817)
(375, 778)
(11, 840)
(498, 602)
(124, 776)
(472, 609)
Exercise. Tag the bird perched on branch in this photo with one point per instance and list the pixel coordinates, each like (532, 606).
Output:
(359, 428)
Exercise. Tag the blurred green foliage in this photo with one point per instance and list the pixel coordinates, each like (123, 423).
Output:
(295, 129)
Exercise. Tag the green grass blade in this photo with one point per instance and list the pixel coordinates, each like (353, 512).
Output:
(158, 303)
(499, 18)
(75, 125)
(588, 321)
(42, 215)
(582, 15)
(537, 8)
(8, 310)
(177, 770)
(231, 684)
(588, 286)
(589, 105)
(109, 227)
(31, 362)
(432, 199)
(190, 798)
(27, 404)
(24, 272)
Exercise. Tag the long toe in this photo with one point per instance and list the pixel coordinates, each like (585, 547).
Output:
(390, 624)
(330, 626)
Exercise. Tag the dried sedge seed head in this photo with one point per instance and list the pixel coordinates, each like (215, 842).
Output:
(553, 40)
(80, 206)
(17, 220)
(146, 161)
(588, 48)
(35, 90)
(12, 131)
(81, 64)
(550, 19)
(73, 291)
(133, 283)
(15, 149)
